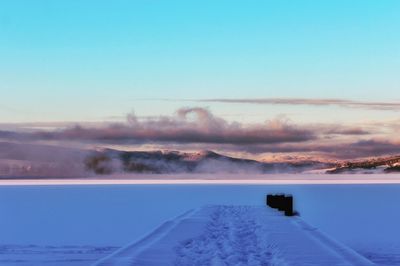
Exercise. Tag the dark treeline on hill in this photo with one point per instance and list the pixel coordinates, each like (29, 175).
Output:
(386, 164)
(158, 162)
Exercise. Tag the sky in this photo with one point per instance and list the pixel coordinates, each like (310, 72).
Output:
(310, 65)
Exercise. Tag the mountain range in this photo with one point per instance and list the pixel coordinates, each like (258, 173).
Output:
(161, 162)
(20, 160)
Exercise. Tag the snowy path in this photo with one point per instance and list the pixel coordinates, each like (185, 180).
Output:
(235, 235)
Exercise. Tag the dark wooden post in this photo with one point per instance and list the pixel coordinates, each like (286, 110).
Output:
(281, 202)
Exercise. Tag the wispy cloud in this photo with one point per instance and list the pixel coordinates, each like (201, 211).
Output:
(347, 131)
(334, 150)
(188, 125)
(308, 101)
(195, 128)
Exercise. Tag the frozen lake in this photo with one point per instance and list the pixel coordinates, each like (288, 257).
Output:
(365, 217)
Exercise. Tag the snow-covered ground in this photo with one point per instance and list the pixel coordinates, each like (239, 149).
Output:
(235, 235)
(364, 217)
(28, 255)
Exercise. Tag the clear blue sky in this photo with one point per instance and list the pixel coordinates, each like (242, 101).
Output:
(79, 60)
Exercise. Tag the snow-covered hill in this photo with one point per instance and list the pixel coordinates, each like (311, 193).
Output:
(35, 160)
(161, 162)
(377, 165)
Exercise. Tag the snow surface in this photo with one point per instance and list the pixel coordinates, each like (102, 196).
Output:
(364, 217)
(235, 235)
(32, 255)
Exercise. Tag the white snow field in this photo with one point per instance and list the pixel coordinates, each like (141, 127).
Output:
(235, 235)
(77, 224)
(32, 255)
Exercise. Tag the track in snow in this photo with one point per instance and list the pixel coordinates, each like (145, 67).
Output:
(231, 237)
(235, 235)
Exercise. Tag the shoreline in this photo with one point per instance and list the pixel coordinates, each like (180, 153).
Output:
(276, 179)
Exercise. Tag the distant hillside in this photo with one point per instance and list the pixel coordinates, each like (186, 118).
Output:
(375, 165)
(161, 162)
(28, 160)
